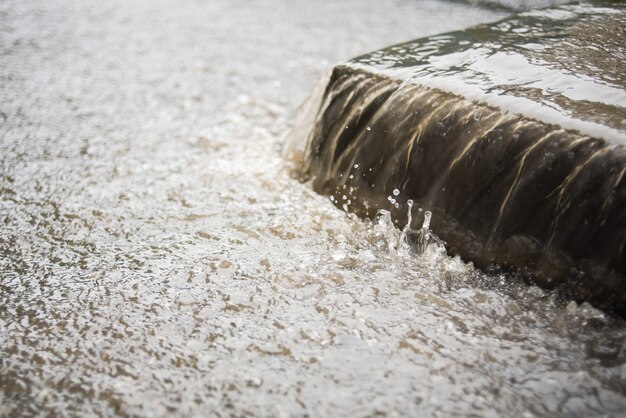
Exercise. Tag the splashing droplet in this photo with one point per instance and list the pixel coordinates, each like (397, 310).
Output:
(427, 215)
(419, 240)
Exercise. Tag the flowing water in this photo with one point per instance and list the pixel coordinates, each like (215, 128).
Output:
(512, 133)
(156, 258)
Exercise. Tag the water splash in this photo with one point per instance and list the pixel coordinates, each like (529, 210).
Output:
(387, 230)
(417, 241)
(408, 241)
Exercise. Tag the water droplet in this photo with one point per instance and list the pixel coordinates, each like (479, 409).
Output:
(396, 192)
(356, 166)
(351, 176)
(369, 128)
(332, 198)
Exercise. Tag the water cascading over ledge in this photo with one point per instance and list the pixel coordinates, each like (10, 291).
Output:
(512, 134)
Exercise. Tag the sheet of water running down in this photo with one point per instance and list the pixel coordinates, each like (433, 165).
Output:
(157, 259)
(501, 131)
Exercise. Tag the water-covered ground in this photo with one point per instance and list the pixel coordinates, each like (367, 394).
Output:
(156, 258)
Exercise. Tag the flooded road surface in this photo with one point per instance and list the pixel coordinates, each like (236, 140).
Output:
(156, 258)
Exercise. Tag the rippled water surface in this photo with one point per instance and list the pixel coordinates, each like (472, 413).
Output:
(564, 66)
(156, 258)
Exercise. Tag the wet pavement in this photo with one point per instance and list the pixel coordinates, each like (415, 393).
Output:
(156, 258)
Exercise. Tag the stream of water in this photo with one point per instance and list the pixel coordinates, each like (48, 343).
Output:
(156, 259)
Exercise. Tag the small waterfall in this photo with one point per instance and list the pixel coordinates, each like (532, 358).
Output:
(502, 188)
